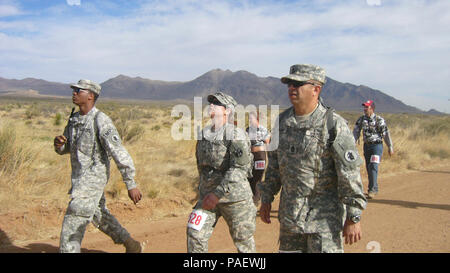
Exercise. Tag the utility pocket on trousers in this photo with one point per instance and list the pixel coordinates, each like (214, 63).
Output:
(82, 207)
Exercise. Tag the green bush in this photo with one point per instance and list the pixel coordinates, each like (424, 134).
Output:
(58, 119)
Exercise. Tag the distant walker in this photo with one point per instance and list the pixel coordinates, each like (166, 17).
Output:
(374, 131)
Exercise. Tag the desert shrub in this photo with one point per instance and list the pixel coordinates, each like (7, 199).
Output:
(177, 172)
(127, 132)
(152, 193)
(134, 133)
(438, 153)
(156, 128)
(148, 115)
(437, 127)
(32, 112)
(132, 114)
(58, 119)
(12, 155)
(122, 127)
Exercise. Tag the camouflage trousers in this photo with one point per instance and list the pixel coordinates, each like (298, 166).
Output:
(240, 218)
(311, 243)
(82, 211)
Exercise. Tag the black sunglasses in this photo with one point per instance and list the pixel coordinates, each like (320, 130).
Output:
(217, 102)
(297, 84)
(78, 90)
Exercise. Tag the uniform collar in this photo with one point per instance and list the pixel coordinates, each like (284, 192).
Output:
(219, 134)
(291, 121)
(80, 119)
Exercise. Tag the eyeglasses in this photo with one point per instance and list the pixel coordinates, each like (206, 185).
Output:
(218, 103)
(78, 90)
(297, 84)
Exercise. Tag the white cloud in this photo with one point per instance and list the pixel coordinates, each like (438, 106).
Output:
(8, 10)
(373, 2)
(73, 2)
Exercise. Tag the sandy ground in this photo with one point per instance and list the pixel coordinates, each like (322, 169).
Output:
(411, 214)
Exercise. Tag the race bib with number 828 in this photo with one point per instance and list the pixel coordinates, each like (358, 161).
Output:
(375, 159)
(197, 219)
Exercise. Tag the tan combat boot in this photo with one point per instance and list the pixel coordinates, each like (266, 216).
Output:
(371, 195)
(133, 246)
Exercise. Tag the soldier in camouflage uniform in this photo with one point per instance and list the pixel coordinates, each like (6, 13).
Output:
(374, 131)
(259, 138)
(224, 161)
(91, 139)
(316, 166)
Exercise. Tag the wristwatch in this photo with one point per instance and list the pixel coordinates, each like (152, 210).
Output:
(355, 219)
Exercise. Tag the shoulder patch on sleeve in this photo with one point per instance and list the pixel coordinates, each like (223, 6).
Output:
(350, 155)
(115, 138)
(111, 135)
(346, 153)
(344, 146)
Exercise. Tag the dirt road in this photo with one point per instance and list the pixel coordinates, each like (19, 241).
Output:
(410, 214)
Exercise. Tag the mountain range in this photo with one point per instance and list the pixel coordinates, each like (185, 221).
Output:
(245, 87)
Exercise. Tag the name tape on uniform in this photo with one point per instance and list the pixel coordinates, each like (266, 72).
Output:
(197, 219)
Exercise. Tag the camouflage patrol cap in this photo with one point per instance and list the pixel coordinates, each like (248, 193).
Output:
(305, 72)
(224, 99)
(88, 85)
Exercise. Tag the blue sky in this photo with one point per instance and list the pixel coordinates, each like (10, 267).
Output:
(400, 47)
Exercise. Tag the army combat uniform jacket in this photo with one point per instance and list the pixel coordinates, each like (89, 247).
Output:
(319, 177)
(91, 140)
(224, 161)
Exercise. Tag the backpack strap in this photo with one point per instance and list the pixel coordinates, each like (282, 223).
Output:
(329, 125)
(97, 135)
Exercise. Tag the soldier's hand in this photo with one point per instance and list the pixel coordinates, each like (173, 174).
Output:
(210, 201)
(135, 195)
(352, 232)
(391, 152)
(59, 141)
(264, 212)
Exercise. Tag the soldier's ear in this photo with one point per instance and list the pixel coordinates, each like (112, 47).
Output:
(317, 89)
(91, 96)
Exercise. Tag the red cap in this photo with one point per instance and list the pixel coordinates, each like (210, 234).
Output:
(368, 103)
